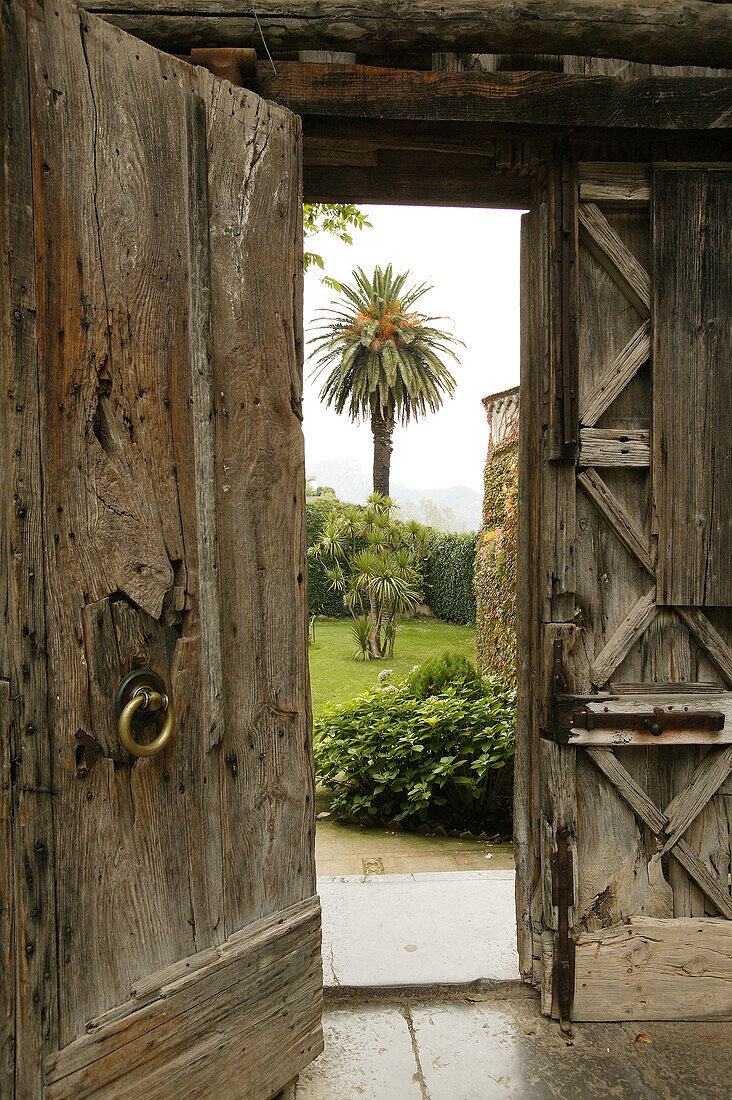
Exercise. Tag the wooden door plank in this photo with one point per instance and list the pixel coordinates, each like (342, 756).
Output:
(629, 184)
(257, 367)
(615, 447)
(635, 353)
(225, 1018)
(655, 969)
(626, 634)
(688, 804)
(710, 640)
(692, 377)
(616, 517)
(612, 255)
(31, 1026)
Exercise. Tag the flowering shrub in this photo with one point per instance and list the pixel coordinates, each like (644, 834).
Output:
(495, 566)
(433, 749)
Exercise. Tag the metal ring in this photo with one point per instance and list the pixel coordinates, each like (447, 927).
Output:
(143, 698)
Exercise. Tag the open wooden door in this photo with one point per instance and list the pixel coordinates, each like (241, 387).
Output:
(625, 801)
(159, 927)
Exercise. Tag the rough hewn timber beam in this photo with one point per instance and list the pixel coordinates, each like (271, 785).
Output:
(666, 32)
(553, 100)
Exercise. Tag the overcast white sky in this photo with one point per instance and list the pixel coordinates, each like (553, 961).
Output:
(471, 257)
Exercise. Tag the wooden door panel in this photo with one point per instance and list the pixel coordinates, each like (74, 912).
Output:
(643, 820)
(166, 240)
(692, 382)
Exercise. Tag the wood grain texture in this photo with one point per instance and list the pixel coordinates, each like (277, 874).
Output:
(633, 355)
(170, 446)
(628, 184)
(672, 32)
(268, 780)
(688, 804)
(625, 635)
(615, 515)
(7, 902)
(30, 1028)
(692, 373)
(645, 808)
(526, 779)
(709, 638)
(615, 447)
(613, 255)
(120, 511)
(217, 1016)
(534, 100)
(637, 971)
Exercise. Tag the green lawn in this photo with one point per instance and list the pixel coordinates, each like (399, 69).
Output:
(335, 677)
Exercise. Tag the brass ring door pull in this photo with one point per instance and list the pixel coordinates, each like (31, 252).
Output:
(139, 702)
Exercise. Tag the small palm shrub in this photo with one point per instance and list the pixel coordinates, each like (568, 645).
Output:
(435, 749)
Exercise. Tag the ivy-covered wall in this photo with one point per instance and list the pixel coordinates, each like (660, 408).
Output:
(448, 577)
(495, 563)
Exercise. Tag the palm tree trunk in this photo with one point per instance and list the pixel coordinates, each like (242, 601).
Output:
(382, 428)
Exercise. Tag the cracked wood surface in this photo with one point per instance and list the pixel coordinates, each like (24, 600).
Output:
(29, 1027)
(181, 1024)
(692, 379)
(172, 475)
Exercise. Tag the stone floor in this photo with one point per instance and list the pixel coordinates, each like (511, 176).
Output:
(479, 1046)
(418, 929)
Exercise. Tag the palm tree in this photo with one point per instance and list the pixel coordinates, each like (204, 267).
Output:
(383, 359)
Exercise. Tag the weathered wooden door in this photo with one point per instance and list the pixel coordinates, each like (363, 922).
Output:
(159, 928)
(624, 808)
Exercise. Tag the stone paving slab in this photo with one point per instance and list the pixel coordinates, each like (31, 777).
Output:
(495, 1047)
(367, 1055)
(342, 849)
(418, 929)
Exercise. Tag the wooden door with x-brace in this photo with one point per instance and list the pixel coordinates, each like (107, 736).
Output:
(624, 807)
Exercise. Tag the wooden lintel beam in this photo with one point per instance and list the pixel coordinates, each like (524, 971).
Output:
(538, 101)
(666, 32)
(407, 185)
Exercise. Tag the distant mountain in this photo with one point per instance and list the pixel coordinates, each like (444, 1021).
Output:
(455, 509)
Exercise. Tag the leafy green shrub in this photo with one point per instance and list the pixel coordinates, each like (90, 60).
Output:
(445, 758)
(448, 577)
(433, 675)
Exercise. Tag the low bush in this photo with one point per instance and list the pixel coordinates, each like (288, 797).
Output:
(430, 750)
(435, 673)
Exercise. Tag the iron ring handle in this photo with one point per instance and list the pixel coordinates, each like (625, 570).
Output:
(146, 699)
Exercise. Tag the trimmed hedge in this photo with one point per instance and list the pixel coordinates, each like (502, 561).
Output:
(323, 600)
(448, 577)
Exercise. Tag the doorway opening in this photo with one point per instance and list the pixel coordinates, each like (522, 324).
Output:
(409, 843)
